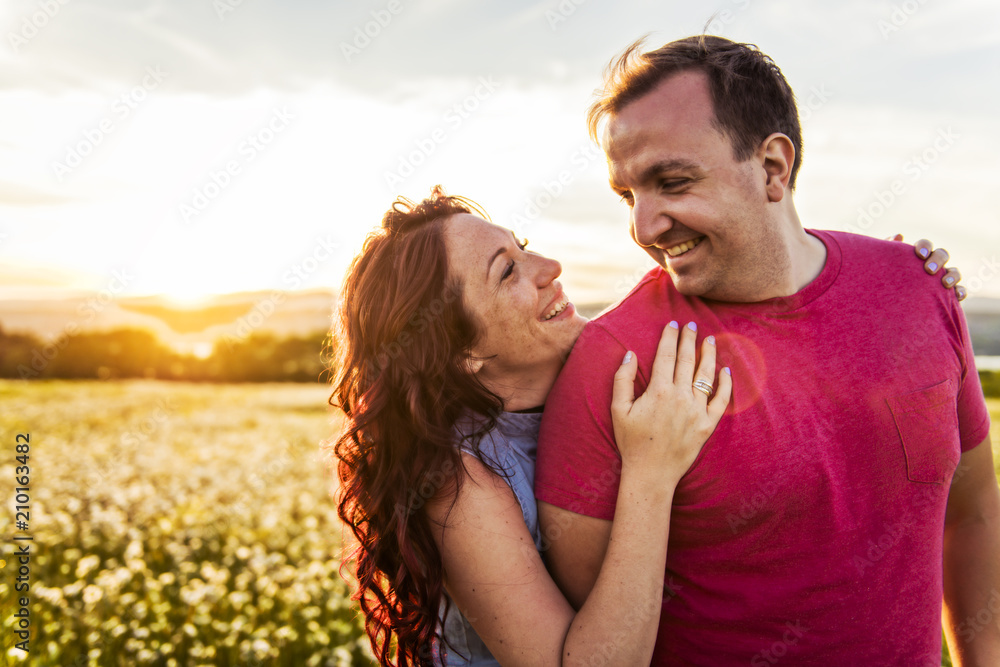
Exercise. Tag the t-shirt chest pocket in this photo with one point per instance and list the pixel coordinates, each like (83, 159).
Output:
(927, 421)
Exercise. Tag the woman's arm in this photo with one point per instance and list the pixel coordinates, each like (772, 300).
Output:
(495, 574)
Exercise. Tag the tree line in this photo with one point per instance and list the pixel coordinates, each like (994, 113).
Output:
(137, 353)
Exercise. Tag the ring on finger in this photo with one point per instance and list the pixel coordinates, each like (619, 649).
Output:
(703, 386)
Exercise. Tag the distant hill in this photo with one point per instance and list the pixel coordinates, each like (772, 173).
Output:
(183, 328)
(983, 316)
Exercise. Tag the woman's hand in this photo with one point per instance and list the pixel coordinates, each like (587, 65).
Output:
(935, 260)
(664, 429)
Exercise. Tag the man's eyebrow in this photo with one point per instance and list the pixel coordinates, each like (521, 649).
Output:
(657, 168)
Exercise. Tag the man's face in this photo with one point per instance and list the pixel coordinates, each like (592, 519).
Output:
(701, 214)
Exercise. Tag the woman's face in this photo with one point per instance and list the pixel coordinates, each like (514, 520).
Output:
(527, 324)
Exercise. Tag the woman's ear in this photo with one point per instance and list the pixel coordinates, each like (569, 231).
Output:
(473, 364)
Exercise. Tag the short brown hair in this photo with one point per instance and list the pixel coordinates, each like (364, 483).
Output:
(750, 96)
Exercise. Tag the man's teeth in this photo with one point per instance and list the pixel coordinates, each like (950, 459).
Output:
(678, 250)
(556, 309)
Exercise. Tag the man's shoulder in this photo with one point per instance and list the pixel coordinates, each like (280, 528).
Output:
(883, 266)
(858, 247)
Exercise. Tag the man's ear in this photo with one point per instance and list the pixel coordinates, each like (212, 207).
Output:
(777, 155)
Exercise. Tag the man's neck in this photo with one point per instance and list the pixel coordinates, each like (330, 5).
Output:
(805, 257)
(795, 258)
(808, 257)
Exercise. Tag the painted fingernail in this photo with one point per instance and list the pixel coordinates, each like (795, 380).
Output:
(932, 267)
(628, 357)
(728, 372)
(960, 292)
(673, 324)
(711, 340)
(692, 326)
(924, 252)
(949, 281)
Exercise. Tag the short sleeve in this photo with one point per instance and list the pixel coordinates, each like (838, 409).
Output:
(973, 413)
(578, 467)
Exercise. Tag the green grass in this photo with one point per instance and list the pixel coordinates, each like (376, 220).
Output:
(182, 524)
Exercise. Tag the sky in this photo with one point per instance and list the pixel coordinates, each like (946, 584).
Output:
(197, 147)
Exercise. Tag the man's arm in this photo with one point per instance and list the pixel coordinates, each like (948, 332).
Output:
(575, 545)
(972, 561)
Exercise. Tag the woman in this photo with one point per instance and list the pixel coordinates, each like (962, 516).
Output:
(451, 335)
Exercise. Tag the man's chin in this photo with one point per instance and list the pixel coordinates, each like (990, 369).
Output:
(688, 285)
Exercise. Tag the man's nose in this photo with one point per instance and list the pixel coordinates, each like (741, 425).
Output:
(649, 221)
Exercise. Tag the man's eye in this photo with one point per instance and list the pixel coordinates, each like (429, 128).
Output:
(674, 183)
(522, 244)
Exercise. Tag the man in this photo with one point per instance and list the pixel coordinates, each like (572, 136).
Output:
(855, 457)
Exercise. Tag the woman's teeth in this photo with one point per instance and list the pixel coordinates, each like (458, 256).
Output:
(679, 250)
(558, 308)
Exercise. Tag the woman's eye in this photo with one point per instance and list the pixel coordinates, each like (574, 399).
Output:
(522, 244)
(627, 198)
(507, 272)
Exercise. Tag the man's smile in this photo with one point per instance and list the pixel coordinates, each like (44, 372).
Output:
(681, 248)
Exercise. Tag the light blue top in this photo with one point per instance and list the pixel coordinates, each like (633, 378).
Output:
(511, 449)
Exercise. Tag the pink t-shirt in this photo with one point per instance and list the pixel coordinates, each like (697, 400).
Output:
(810, 525)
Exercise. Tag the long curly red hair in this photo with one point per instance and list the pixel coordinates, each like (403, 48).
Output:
(401, 377)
